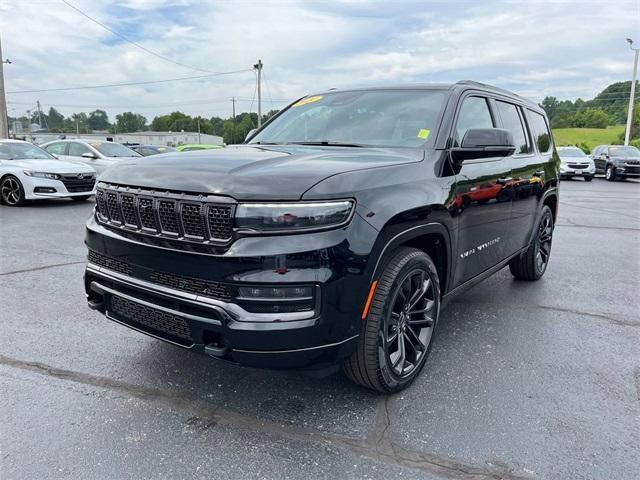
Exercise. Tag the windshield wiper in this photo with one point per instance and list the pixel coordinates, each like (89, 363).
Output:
(265, 143)
(326, 143)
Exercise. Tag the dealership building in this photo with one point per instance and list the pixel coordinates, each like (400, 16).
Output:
(144, 138)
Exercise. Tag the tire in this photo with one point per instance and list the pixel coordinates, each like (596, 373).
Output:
(588, 179)
(384, 359)
(81, 198)
(532, 264)
(610, 173)
(11, 191)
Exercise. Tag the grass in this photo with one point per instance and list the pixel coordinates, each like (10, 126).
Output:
(589, 136)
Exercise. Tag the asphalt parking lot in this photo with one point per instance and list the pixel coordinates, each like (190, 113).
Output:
(526, 380)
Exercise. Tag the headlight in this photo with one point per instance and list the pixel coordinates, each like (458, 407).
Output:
(283, 217)
(53, 176)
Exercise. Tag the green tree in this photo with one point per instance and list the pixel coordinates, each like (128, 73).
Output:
(77, 122)
(130, 122)
(55, 120)
(99, 120)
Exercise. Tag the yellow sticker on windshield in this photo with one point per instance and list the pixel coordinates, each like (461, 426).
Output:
(423, 133)
(307, 100)
(95, 144)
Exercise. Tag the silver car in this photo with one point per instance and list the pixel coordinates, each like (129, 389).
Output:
(575, 163)
(95, 153)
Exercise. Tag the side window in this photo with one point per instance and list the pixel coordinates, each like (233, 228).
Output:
(77, 149)
(474, 113)
(541, 132)
(512, 122)
(56, 148)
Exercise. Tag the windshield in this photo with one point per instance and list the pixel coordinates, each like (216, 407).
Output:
(571, 152)
(380, 118)
(624, 152)
(22, 151)
(110, 149)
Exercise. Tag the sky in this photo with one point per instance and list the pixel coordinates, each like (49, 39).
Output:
(566, 49)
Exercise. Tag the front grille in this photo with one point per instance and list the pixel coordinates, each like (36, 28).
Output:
(197, 286)
(632, 162)
(151, 319)
(73, 184)
(577, 166)
(108, 262)
(198, 219)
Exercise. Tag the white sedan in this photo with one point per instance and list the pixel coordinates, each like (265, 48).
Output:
(95, 153)
(27, 172)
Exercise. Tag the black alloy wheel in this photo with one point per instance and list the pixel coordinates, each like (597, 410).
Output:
(11, 191)
(399, 329)
(409, 322)
(532, 264)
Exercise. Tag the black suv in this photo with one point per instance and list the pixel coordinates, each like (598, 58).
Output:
(617, 161)
(335, 234)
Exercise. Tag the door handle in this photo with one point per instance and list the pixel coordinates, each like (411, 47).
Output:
(503, 180)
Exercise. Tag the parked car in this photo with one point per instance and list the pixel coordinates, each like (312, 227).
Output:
(97, 154)
(196, 146)
(27, 172)
(617, 161)
(335, 234)
(575, 163)
(146, 150)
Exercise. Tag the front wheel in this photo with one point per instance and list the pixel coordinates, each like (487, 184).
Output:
(399, 328)
(11, 191)
(532, 264)
(588, 179)
(610, 173)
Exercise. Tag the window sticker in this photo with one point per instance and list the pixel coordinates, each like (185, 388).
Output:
(307, 100)
(424, 133)
(95, 144)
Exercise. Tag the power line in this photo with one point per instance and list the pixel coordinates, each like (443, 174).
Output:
(127, 84)
(128, 40)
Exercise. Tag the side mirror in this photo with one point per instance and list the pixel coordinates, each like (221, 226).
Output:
(484, 143)
(250, 134)
(89, 155)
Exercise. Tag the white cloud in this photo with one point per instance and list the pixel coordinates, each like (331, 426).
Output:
(566, 49)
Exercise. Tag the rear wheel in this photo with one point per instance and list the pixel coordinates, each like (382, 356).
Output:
(11, 191)
(400, 325)
(610, 173)
(532, 264)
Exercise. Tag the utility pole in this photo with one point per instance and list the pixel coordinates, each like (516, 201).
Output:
(29, 123)
(4, 119)
(627, 135)
(39, 113)
(233, 101)
(258, 66)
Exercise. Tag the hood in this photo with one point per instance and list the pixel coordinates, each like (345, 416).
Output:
(51, 166)
(584, 159)
(119, 159)
(625, 158)
(252, 172)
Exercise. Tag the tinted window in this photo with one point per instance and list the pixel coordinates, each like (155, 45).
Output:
(512, 122)
(473, 114)
(110, 149)
(57, 148)
(402, 118)
(77, 149)
(540, 132)
(624, 152)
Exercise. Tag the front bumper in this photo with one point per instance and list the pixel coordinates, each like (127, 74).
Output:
(567, 170)
(628, 170)
(36, 187)
(221, 328)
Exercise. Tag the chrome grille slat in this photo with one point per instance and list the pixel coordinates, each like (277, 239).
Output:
(193, 219)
